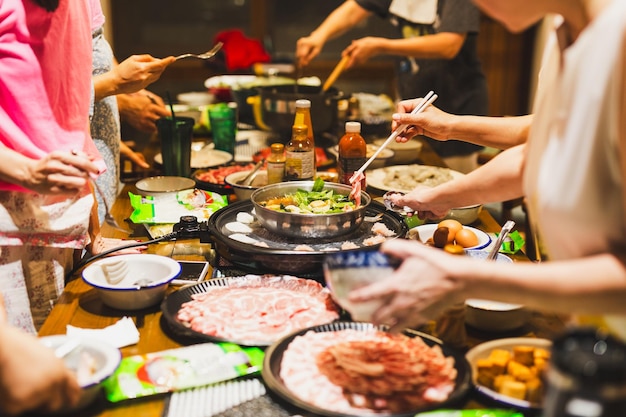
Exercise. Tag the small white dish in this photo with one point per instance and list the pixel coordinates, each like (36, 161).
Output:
(404, 153)
(196, 98)
(100, 361)
(164, 184)
(243, 192)
(426, 232)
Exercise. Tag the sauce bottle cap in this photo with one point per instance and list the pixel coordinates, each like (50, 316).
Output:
(303, 103)
(353, 127)
(277, 147)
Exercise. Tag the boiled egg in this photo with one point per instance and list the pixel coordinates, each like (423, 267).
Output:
(466, 238)
(453, 228)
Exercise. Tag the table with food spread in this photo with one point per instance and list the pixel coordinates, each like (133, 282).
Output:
(163, 326)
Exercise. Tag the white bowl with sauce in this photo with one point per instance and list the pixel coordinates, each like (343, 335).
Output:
(494, 316)
(93, 361)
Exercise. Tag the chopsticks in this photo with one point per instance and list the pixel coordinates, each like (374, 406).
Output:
(426, 101)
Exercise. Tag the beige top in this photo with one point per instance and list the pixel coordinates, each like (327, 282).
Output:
(573, 178)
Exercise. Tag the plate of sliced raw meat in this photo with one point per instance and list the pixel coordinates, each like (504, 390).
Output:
(349, 369)
(253, 310)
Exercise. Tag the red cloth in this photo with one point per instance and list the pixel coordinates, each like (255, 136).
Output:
(241, 52)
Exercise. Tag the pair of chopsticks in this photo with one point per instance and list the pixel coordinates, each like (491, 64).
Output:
(426, 101)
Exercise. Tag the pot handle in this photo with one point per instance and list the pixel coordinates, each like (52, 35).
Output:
(255, 102)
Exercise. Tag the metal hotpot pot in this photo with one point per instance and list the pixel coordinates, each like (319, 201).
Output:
(307, 226)
(275, 107)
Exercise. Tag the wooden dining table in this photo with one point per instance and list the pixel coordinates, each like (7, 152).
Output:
(80, 306)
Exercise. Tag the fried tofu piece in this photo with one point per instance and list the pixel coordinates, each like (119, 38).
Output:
(524, 355)
(515, 389)
(500, 358)
(541, 353)
(519, 371)
(487, 371)
(534, 390)
(500, 380)
(540, 367)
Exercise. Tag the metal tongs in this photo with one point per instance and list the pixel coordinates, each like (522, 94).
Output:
(426, 101)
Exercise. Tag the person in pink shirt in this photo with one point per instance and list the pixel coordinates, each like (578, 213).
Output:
(45, 201)
(47, 152)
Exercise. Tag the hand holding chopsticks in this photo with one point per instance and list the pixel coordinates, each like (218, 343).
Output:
(426, 101)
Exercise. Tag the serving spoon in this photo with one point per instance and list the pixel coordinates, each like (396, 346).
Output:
(252, 175)
(506, 229)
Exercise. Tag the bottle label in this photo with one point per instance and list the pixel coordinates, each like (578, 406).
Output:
(299, 165)
(275, 172)
(348, 166)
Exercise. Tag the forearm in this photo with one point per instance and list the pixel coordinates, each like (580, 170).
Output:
(590, 285)
(497, 132)
(498, 180)
(438, 46)
(340, 20)
(105, 85)
(15, 167)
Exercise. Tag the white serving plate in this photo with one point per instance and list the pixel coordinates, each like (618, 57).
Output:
(376, 177)
(203, 158)
(426, 232)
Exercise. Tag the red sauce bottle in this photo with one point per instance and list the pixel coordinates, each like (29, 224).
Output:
(352, 153)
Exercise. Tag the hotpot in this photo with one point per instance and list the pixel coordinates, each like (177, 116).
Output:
(307, 226)
(274, 107)
(281, 254)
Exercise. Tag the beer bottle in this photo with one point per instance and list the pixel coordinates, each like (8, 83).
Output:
(299, 160)
(276, 163)
(352, 153)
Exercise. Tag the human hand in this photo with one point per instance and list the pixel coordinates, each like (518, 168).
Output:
(58, 172)
(421, 289)
(31, 377)
(136, 158)
(360, 50)
(421, 201)
(141, 110)
(431, 122)
(101, 244)
(307, 48)
(138, 71)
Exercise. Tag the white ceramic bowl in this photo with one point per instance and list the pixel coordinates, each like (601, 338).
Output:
(103, 357)
(483, 351)
(164, 184)
(129, 294)
(384, 157)
(494, 316)
(243, 192)
(465, 215)
(404, 153)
